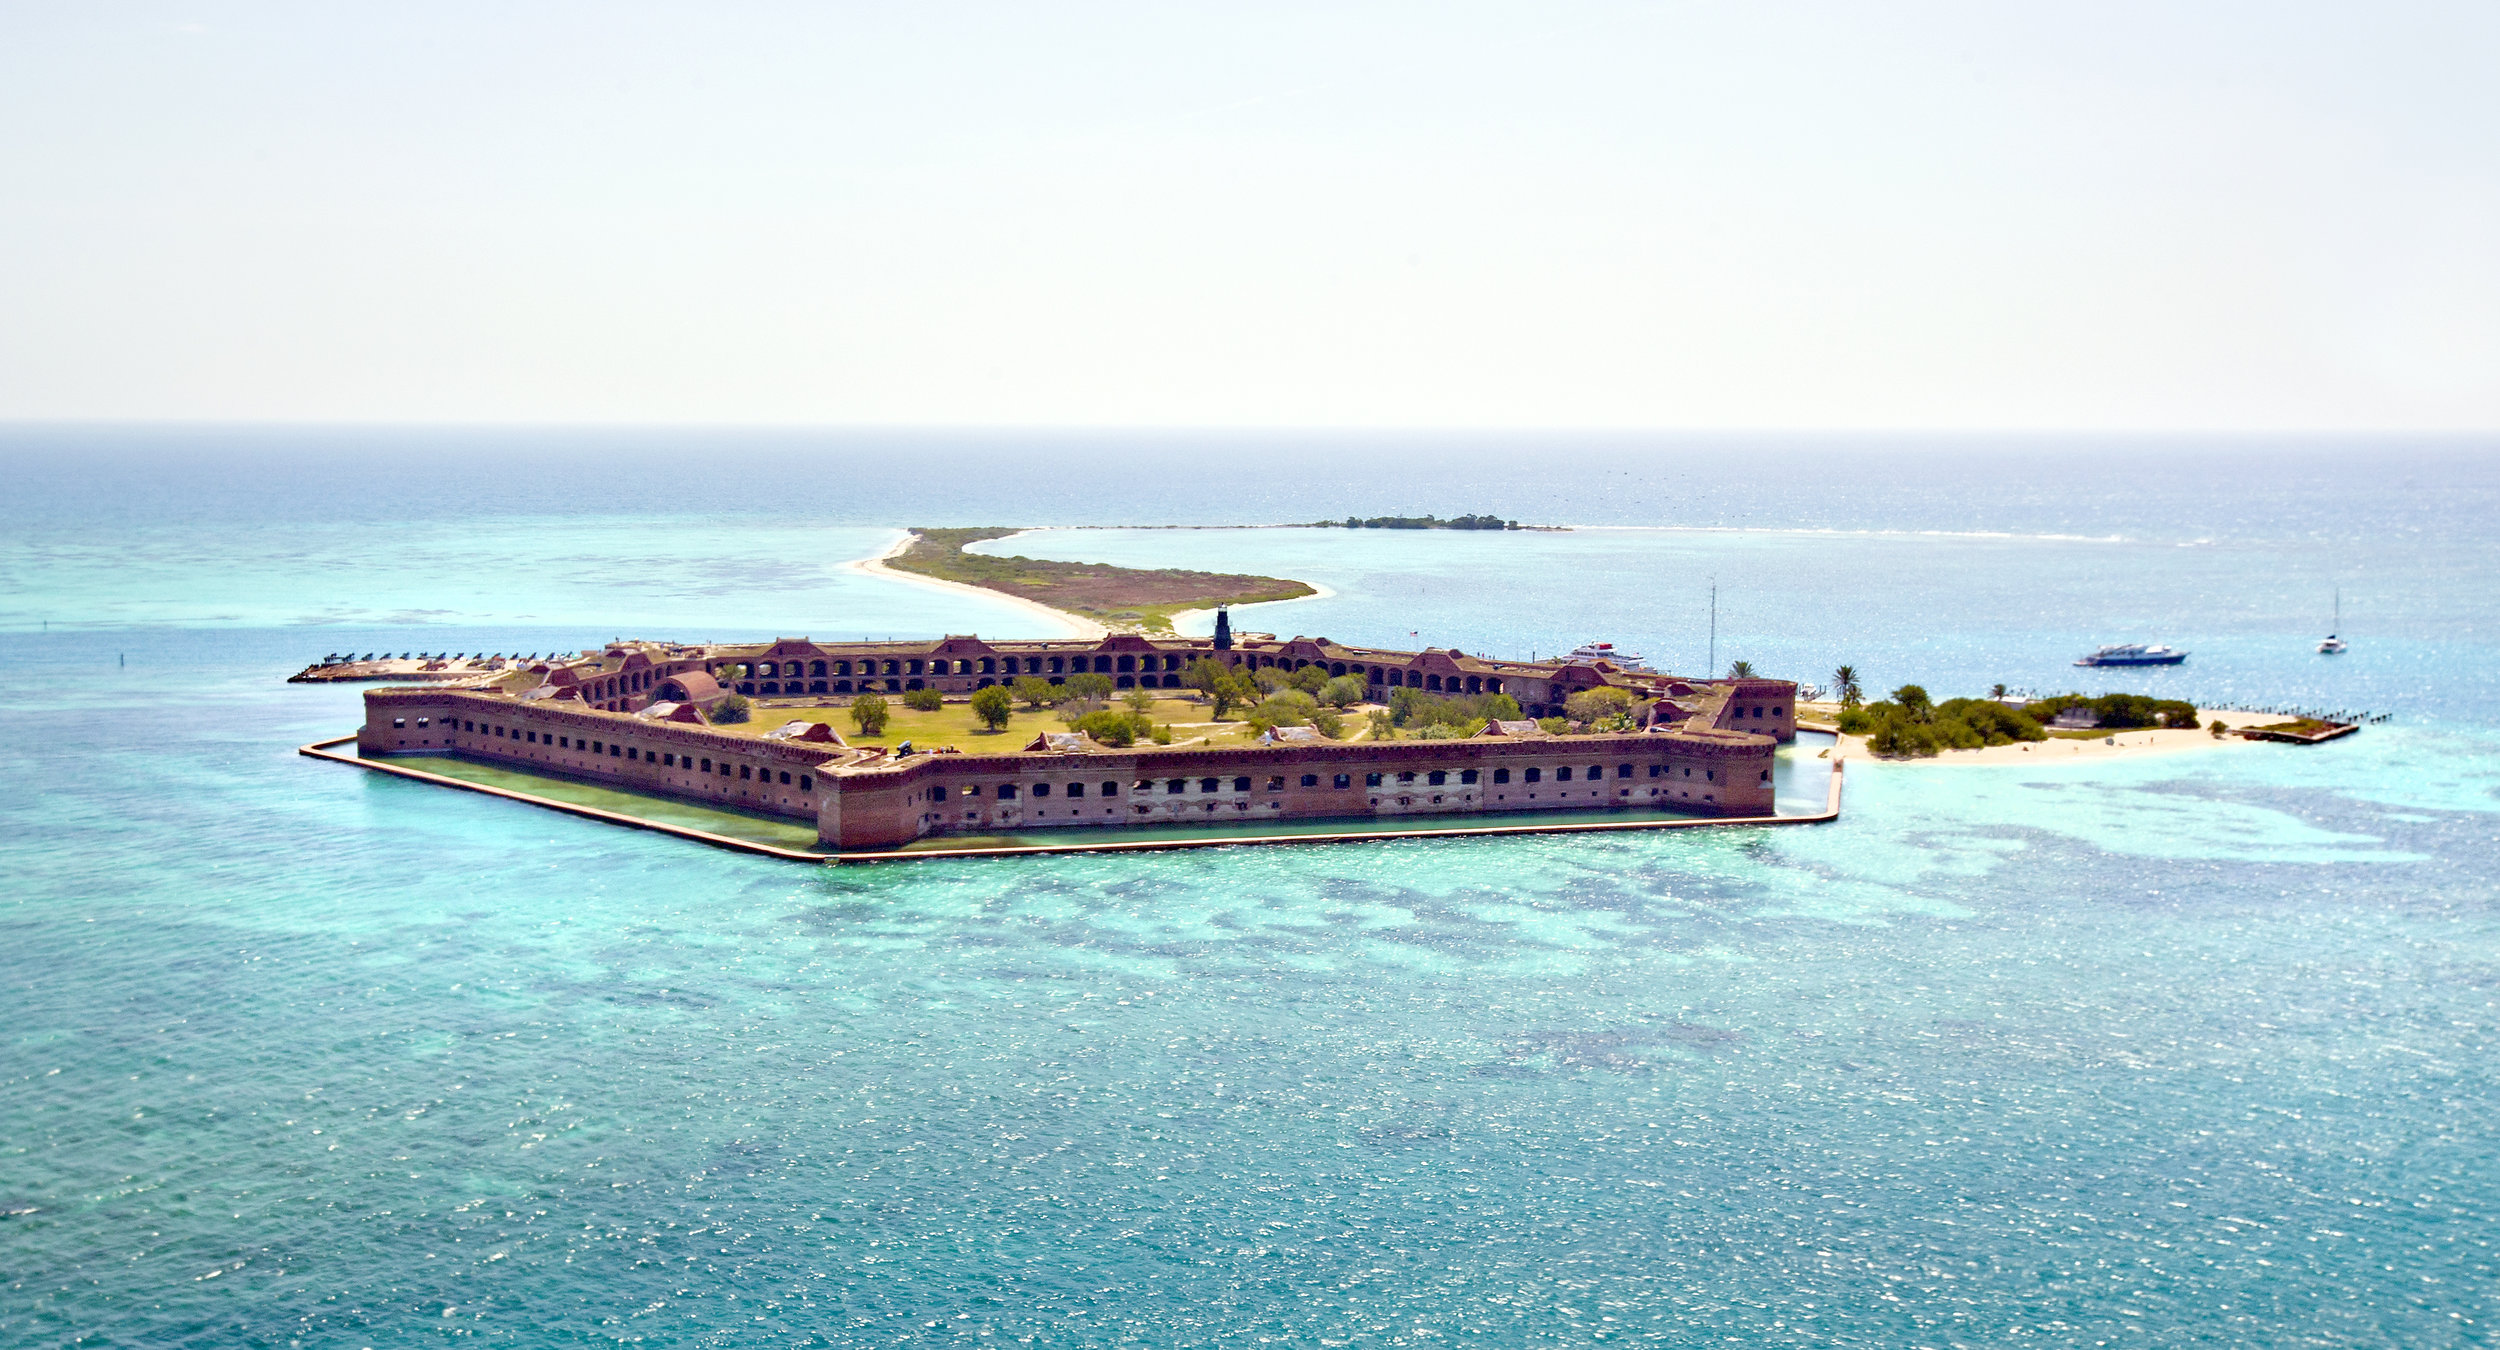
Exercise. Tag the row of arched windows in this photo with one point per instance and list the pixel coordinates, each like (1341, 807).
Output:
(1009, 666)
(899, 685)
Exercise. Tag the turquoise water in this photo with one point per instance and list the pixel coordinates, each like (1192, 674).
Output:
(2181, 1051)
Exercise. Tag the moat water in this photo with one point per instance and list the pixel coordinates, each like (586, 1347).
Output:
(2189, 1050)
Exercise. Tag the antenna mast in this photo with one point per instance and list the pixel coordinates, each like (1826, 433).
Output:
(1710, 672)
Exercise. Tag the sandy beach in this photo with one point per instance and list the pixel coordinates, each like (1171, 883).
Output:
(2114, 744)
(1056, 622)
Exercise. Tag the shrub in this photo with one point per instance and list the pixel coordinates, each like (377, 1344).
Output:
(1416, 709)
(1309, 679)
(1599, 705)
(1036, 692)
(1139, 700)
(1328, 723)
(1994, 723)
(993, 706)
(924, 700)
(1900, 738)
(2119, 712)
(1117, 729)
(733, 708)
(1163, 734)
(869, 714)
(1091, 684)
(1343, 692)
(1384, 727)
(1284, 708)
(1074, 710)
(1553, 726)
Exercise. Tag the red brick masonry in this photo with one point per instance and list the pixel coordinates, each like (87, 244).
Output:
(596, 718)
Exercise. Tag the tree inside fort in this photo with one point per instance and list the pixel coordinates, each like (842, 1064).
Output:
(869, 714)
(1605, 708)
(993, 706)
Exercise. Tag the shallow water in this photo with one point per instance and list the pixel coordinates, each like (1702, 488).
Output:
(2182, 1050)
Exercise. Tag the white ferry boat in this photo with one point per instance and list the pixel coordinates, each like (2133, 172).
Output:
(1607, 652)
(2133, 654)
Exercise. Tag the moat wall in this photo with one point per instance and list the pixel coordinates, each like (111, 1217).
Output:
(863, 802)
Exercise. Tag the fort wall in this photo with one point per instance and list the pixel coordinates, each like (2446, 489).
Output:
(631, 676)
(865, 799)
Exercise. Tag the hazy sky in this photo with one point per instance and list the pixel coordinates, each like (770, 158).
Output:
(2007, 215)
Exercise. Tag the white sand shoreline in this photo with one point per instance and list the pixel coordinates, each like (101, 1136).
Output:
(1318, 591)
(2133, 743)
(1070, 625)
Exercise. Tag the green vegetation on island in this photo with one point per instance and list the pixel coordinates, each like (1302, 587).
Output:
(1129, 599)
(1909, 725)
(1476, 522)
(2119, 712)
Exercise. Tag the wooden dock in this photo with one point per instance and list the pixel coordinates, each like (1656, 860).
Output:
(2306, 731)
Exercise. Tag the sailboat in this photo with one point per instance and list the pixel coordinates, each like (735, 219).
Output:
(2332, 645)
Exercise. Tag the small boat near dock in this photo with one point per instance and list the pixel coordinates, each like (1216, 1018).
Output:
(2332, 645)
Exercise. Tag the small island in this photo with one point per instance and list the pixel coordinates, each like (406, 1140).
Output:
(1474, 522)
(1908, 724)
(1120, 599)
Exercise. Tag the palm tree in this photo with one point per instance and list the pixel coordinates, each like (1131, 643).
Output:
(1845, 685)
(1740, 670)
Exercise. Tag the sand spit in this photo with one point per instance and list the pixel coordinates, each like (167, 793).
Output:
(1057, 622)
